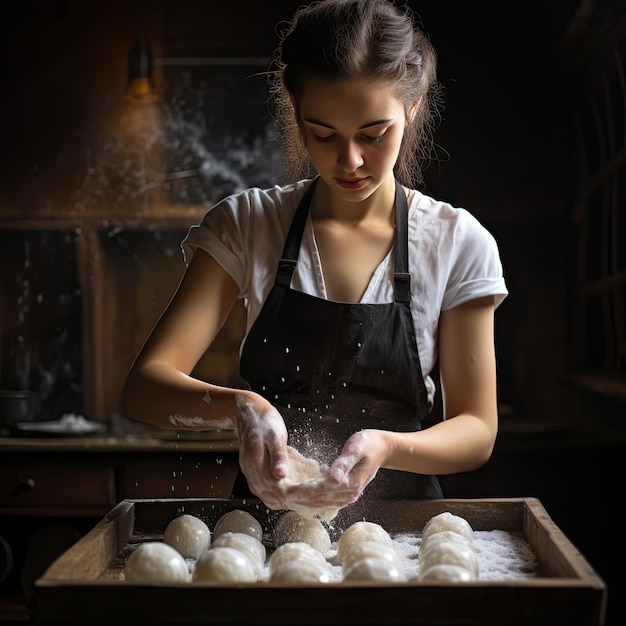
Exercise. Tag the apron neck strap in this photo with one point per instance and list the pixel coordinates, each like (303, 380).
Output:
(401, 276)
(289, 258)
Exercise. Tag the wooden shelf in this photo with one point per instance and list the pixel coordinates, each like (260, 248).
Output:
(124, 269)
(608, 384)
(166, 220)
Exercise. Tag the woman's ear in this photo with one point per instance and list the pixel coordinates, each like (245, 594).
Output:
(296, 117)
(412, 112)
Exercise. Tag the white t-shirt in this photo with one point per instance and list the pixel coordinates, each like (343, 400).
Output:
(452, 257)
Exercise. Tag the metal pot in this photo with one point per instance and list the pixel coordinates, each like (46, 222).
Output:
(17, 405)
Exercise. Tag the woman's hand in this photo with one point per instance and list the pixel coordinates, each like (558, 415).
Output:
(361, 457)
(262, 447)
(356, 466)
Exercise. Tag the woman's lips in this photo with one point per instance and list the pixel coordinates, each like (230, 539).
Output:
(353, 183)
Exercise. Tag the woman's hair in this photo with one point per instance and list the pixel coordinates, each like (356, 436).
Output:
(364, 40)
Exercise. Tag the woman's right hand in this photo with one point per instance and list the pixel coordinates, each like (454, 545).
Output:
(262, 447)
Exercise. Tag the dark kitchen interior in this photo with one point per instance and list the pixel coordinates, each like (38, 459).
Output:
(93, 206)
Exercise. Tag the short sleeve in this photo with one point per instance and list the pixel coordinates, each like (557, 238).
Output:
(222, 234)
(475, 265)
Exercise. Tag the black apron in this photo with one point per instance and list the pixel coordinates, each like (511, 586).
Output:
(334, 368)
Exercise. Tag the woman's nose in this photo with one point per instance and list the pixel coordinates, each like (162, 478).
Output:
(349, 157)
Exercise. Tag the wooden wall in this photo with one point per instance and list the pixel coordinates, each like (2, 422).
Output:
(498, 147)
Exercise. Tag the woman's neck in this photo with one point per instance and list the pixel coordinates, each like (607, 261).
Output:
(379, 206)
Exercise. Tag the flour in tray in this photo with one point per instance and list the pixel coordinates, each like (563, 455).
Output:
(502, 555)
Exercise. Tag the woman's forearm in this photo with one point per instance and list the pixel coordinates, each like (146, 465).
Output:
(159, 394)
(459, 444)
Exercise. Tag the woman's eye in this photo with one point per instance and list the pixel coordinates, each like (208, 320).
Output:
(323, 139)
(368, 138)
(377, 138)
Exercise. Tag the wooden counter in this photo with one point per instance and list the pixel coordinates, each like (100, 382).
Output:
(84, 476)
(218, 441)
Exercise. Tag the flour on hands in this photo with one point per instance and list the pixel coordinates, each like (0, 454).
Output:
(305, 473)
(262, 448)
(318, 490)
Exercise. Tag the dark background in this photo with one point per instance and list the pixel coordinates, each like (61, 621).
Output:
(506, 76)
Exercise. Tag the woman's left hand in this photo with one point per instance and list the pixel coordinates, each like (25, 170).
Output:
(348, 476)
(359, 461)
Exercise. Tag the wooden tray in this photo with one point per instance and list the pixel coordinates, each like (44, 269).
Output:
(73, 590)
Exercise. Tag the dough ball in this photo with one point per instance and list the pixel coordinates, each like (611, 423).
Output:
(155, 561)
(448, 521)
(295, 551)
(301, 571)
(369, 549)
(448, 553)
(375, 568)
(224, 564)
(361, 531)
(446, 573)
(245, 543)
(445, 535)
(292, 527)
(304, 470)
(238, 521)
(189, 535)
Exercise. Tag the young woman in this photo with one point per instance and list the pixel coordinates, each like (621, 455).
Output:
(355, 283)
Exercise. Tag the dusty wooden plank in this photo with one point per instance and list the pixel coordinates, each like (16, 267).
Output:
(88, 558)
(557, 554)
(470, 604)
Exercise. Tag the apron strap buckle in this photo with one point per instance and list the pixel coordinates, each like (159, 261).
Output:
(285, 271)
(402, 287)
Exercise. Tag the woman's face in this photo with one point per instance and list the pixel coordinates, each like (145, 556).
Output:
(352, 131)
